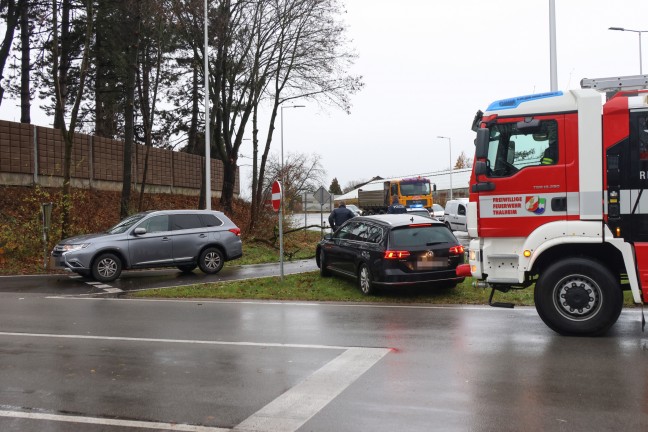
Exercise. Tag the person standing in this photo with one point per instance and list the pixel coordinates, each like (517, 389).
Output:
(339, 215)
(396, 207)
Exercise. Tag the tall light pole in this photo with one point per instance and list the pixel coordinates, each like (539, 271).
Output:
(283, 191)
(553, 63)
(207, 141)
(639, 33)
(450, 149)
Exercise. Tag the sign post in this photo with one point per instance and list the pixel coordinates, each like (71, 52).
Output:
(277, 205)
(321, 195)
(46, 212)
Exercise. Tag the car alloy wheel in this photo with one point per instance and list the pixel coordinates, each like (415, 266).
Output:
(211, 261)
(106, 268)
(364, 280)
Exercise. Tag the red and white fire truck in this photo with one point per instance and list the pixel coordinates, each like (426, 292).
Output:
(556, 201)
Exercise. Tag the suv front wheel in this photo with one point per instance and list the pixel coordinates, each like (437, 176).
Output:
(211, 260)
(106, 267)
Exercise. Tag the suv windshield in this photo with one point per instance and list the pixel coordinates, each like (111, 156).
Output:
(126, 223)
(420, 236)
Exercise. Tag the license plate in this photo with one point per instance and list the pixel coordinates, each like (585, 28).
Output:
(422, 265)
(55, 262)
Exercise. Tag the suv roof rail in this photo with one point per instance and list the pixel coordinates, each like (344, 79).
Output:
(632, 82)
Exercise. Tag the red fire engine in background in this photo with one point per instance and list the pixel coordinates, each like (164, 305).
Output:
(557, 201)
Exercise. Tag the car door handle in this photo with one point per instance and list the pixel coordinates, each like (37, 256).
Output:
(202, 235)
(165, 239)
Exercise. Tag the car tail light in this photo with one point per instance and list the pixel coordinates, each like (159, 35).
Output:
(236, 231)
(390, 254)
(420, 225)
(456, 250)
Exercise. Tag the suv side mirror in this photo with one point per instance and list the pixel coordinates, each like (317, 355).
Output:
(139, 231)
(481, 143)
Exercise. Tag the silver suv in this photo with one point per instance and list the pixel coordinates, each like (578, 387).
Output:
(185, 239)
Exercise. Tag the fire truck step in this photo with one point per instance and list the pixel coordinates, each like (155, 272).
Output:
(498, 304)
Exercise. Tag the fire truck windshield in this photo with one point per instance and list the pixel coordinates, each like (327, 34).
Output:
(414, 188)
(511, 149)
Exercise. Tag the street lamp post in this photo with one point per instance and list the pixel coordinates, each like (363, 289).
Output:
(450, 149)
(281, 205)
(207, 139)
(639, 33)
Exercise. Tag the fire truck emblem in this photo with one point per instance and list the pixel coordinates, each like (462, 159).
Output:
(535, 204)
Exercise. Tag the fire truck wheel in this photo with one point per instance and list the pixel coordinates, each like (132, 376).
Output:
(578, 297)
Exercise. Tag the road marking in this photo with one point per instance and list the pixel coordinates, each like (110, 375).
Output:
(291, 410)
(178, 341)
(286, 413)
(93, 283)
(110, 422)
(110, 289)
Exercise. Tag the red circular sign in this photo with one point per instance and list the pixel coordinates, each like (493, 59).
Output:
(276, 195)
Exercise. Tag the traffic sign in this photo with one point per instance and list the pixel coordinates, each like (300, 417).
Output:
(321, 195)
(276, 195)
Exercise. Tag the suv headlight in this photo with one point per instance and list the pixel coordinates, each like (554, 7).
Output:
(73, 247)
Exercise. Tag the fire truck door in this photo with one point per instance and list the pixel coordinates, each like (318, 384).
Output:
(526, 166)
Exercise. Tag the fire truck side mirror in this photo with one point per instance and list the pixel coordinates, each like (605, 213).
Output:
(480, 168)
(481, 143)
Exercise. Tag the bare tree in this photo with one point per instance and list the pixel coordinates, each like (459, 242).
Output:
(354, 184)
(301, 173)
(463, 161)
(310, 58)
(10, 10)
(155, 41)
(68, 131)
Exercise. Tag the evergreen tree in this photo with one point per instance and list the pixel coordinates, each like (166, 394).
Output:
(335, 188)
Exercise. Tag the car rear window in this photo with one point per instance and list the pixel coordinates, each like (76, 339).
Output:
(185, 221)
(210, 220)
(418, 236)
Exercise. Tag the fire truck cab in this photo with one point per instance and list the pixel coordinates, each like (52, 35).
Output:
(556, 201)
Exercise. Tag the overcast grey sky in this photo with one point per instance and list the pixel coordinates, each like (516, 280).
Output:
(428, 66)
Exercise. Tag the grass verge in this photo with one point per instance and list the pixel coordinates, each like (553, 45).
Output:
(312, 287)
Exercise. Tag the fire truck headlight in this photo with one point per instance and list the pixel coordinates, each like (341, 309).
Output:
(527, 253)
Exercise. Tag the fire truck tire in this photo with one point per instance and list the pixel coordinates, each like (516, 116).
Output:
(578, 297)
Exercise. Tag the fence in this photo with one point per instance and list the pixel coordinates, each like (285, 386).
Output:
(34, 155)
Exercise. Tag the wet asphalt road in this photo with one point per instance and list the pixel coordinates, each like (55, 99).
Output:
(104, 364)
(71, 284)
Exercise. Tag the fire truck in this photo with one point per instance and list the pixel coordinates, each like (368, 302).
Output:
(556, 201)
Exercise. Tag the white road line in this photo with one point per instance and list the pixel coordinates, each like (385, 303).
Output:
(178, 341)
(93, 283)
(103, 286)
(112, 290)
(110, 422)
(291, 410)
(287, 413)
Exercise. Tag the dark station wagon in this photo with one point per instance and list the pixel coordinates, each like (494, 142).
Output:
(392, 250)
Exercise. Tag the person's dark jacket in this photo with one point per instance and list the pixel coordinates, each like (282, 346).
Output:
(338, 216)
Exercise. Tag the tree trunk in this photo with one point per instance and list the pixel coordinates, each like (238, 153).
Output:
(64, 64)
(25, 70)
(13, 13)
(229, 181)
